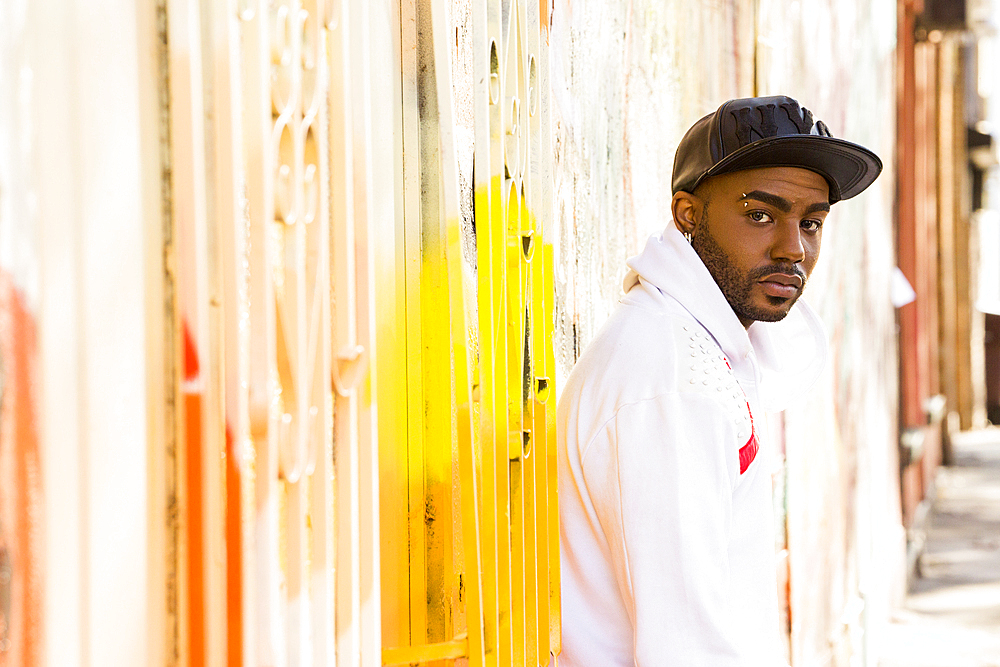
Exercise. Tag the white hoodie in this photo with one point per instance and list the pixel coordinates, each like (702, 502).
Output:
(665, 492)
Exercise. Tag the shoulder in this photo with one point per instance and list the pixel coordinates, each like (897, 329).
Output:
(633, 356)
(642, 353)
(704, 370)
(660, 368)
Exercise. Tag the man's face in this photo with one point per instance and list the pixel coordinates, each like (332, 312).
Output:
(759, 234)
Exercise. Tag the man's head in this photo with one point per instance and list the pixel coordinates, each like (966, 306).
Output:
(753, 183)
(758, 232)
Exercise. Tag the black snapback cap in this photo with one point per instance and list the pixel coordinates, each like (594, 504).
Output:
(771, 132)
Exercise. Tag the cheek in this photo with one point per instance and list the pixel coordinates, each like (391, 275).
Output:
(750, 252)
(812, 255)
(742, 250)
(744, 261)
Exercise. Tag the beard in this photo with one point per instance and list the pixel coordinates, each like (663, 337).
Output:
(736, 285)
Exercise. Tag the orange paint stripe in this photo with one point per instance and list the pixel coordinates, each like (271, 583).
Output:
(20, 476)
(196, 549)
(234, 551)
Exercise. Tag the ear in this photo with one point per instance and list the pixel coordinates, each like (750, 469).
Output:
(686, 209)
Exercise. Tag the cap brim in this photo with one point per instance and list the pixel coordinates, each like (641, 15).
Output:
(848, 167)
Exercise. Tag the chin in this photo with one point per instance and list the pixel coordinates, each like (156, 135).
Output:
(769, 313)
(772, 317)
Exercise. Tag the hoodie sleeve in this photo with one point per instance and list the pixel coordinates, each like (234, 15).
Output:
(666, 473)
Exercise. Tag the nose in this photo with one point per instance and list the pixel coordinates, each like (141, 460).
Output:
(788, 245)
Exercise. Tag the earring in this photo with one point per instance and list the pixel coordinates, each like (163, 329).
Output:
(687, 236)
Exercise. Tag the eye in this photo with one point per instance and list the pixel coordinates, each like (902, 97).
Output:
(760, 216)
(811, 226)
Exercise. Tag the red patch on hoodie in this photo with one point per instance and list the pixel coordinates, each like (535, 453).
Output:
(749, 451)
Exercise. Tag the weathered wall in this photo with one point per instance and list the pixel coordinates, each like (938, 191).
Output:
(843, 525)
(629, 78)
(20, 483)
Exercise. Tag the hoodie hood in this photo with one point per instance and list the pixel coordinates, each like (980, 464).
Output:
(789, 354)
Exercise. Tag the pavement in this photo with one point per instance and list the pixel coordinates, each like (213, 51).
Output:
(951, 617)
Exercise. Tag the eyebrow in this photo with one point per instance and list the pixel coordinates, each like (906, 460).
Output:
(783, 204)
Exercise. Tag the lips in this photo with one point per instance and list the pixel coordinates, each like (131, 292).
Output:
(782, 285)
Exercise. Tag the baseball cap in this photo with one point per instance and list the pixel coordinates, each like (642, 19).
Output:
(776, 131)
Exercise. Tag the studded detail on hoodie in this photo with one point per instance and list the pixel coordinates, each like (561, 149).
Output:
(704, 369)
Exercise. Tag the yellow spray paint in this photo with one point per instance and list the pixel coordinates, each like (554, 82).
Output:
(481, 542)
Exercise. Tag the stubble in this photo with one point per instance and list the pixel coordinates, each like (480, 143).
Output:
(737, 286)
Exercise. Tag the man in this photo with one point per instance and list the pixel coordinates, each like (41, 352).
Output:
(664, 475)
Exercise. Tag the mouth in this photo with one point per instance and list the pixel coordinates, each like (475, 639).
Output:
(782, 285)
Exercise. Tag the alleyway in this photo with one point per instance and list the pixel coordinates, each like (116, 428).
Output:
(952, 614)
